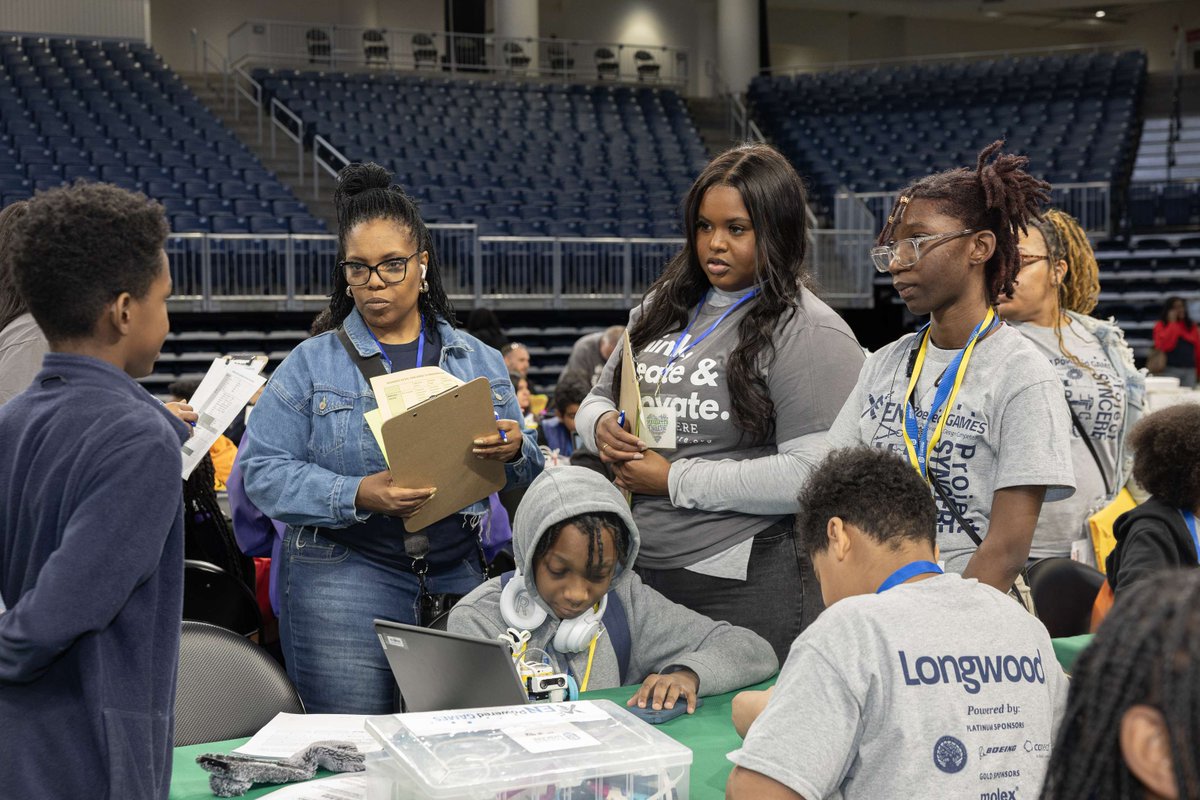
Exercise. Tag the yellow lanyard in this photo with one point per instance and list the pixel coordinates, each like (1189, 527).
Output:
(958, 366)
(587, 673)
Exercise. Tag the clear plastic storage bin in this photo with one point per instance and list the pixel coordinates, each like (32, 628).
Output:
(587, 750)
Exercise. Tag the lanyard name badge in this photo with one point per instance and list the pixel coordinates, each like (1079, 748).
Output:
(658, 422)
(387, 362)
(917, 440)
(1190, 519)
(906, 572)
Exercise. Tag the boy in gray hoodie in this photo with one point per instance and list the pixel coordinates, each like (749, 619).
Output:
(575, 544)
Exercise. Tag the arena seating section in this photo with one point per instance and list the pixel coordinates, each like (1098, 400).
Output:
(1076, 117)
(516, 158)
(113, 111)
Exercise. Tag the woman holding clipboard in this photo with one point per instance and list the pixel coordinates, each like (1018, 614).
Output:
(741, 369)
(313, 463)
(978, 411)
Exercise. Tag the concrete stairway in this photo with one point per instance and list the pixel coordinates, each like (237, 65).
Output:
(285, 163)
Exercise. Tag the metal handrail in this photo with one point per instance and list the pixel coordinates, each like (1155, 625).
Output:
(296, 136)
(254, 95)
(280, 43)
(320, 163)
(210, 55)
(827, 66)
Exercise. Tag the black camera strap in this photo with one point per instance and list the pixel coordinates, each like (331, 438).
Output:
(966, 525)
(1087, 440)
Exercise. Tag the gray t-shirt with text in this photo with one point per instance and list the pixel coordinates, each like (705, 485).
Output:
(816, 361)
(1009, 427)
(935, 689)
(1096, 393)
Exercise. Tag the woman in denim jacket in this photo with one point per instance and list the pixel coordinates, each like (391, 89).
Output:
(1055, 290)
(313, 463)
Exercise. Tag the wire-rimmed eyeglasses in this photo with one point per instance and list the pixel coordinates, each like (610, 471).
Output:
(907, 252)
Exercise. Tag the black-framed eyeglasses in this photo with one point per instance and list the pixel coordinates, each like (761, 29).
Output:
(391, 271)
(907, 252)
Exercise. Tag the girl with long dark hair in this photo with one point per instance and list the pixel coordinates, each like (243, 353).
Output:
(313, 463)
(742, 369)
(1131, 730)
(978, 411)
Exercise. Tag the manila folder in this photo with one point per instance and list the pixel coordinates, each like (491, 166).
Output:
(431, 444)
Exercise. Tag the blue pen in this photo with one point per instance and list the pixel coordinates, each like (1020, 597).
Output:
(621, 420)
(503, 435)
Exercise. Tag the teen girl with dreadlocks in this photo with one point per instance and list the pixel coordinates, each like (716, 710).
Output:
(1132, 726)
(313, 463)
(1052, 295)
(971, 403)
(742, 369)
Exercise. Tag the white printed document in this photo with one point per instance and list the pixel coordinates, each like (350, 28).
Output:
(288, 734)
(397, 392)
(352, 786)
(226, 389)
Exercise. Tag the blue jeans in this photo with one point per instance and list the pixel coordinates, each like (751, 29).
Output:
(329, 595)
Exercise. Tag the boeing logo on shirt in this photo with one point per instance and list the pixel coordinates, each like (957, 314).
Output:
(972, 671)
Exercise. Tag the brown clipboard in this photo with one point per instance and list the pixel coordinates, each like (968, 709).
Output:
(431, 444)
(630, 399)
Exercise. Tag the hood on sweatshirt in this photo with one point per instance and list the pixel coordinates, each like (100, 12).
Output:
(558, 495)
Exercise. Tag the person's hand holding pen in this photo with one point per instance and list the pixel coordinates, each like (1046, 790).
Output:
(614, 440)
(505, 445)
(183, 412)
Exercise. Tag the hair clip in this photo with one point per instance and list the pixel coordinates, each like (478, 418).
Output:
(898, 210)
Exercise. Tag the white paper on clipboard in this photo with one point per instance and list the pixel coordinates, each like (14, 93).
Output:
(226, 389)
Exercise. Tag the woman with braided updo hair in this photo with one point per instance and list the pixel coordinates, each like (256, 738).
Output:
(1131, 730)
(976, 409)
(1052, 296)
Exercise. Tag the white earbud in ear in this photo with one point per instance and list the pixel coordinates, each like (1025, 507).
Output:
(518, 607)
(424, 269)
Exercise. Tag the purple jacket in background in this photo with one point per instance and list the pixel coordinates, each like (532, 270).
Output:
(256, 533)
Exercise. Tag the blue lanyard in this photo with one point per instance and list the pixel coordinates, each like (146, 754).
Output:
(1190, 519)
(908, 571)
(946, 384)
(676, 350)
(420, 347)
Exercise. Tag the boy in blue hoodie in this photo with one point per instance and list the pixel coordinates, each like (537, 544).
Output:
(91, 514)
(575, 544)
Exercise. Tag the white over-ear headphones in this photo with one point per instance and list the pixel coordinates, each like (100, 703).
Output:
(521, 611)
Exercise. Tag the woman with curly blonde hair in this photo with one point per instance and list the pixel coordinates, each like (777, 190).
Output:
(1054, 292)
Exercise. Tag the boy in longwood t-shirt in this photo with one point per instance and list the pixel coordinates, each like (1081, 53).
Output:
(912, 683)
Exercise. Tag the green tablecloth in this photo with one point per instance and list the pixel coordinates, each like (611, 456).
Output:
(709, 733)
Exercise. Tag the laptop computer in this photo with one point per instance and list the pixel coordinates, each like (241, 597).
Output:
(437, 671)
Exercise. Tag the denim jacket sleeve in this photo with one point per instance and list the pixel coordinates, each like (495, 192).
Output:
(279, 475)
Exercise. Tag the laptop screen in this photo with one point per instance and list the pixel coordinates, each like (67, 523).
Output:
(436, 670)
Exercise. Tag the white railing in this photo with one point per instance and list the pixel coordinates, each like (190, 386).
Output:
(344, 47)
(215, 272)
(281, 115)
(245, 86)
(212, 61)
(325, 157)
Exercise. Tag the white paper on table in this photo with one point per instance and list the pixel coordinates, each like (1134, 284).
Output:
(288, 734)
(224, 392)
(338, 787)
(397, 392)
(438, 723)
